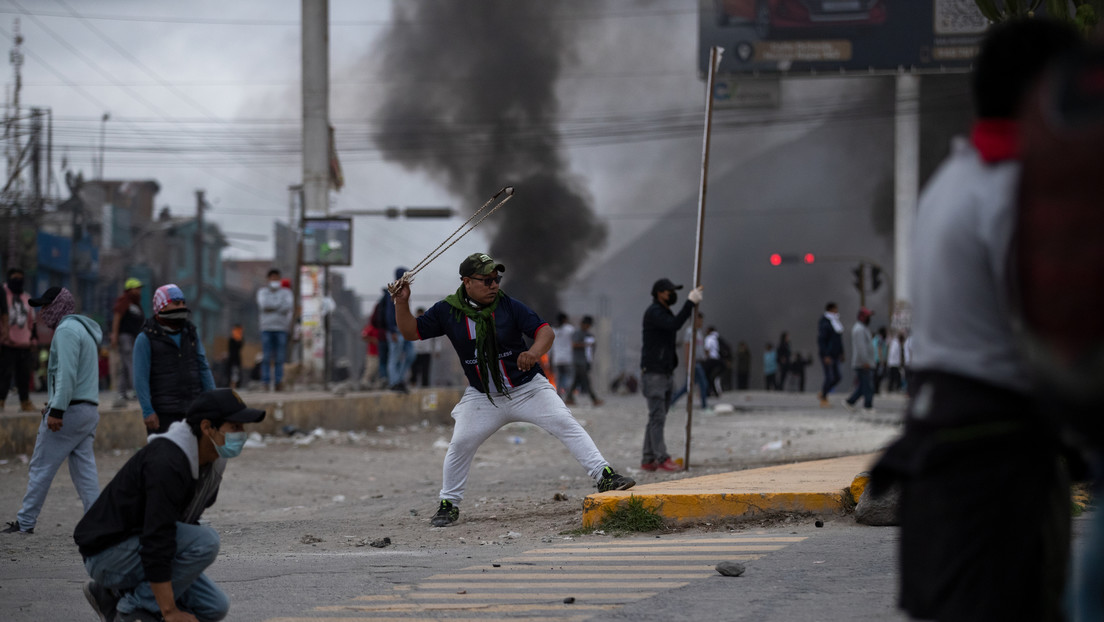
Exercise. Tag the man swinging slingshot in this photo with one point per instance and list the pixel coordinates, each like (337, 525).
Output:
(506, 382)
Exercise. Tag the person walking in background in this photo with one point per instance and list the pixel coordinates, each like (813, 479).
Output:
(276, 305)
(17, 341)
(714, 365)
(800, 362)
(784, 355)
(973, 421)
(371, 335)
(582, 357)
(70, 417)
(830, 350)
(234, 356)
(743, 365)
(658, 360)
(423, 354)
(506, 384)
(170, 364)
(895, 361)
(563, 359)
(400, 351)
(862, 361)
(700, 380)
(127, 318)
(770, 368)
(881, 350)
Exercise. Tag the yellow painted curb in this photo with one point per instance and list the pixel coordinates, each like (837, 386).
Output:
(686, 508)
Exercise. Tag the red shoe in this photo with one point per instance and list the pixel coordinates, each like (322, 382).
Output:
(668, 465)
(648, 466)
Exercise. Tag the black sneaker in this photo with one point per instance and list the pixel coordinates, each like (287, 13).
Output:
(611, 480)
(103, 600)
(446, 514)
(138, 615)
(13, 527)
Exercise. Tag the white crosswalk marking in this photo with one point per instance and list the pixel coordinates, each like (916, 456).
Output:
(569, 581)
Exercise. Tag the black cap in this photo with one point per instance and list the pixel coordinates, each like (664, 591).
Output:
(46, 298)
(664, 285)
(479, 264)
(222, 405)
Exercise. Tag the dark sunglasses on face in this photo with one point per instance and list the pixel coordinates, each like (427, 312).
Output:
(488, 280)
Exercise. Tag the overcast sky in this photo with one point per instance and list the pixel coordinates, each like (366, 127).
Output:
(205, 95)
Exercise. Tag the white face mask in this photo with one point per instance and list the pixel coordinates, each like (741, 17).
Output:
(274, 284)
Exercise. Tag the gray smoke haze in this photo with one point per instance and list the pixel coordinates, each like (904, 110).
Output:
(471, 100)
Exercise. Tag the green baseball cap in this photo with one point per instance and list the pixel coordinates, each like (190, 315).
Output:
(132, 284)
(479, 264)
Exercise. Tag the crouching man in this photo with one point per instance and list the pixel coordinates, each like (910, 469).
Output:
(141, 541)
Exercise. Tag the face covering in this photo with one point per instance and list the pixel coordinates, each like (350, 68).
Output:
(274, 284)
(63, 305)
(673, 298)
(15, 285)
(174, 320)
(232, 446)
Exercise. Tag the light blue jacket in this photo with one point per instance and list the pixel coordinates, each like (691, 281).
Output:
(73, 372)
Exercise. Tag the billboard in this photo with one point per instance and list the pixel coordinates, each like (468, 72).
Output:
(836, 36)
(327, 242)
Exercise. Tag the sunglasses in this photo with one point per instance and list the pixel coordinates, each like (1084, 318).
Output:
(487, 281)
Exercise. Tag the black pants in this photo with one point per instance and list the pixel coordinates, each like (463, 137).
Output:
(15, 362)
(164, 420)
(582, 382)
(971, 452)
(420, 367)
(741, 381)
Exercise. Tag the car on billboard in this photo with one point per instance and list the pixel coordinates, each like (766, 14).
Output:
(770, 16)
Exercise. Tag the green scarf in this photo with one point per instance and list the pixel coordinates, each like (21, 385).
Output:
(486, 340)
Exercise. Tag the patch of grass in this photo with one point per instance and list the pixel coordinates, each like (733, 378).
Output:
(632, 516)
(849, 501)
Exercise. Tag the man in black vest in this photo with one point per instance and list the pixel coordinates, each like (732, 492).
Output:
(170, 365)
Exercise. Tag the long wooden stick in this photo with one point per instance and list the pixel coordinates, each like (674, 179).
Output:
(714, 60)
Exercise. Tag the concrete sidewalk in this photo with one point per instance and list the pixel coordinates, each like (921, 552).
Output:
(814, 487)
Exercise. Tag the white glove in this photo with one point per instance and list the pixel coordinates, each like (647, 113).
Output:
(695, 295)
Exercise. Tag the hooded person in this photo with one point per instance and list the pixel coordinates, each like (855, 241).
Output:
(170, 364)
(70, 418)
(141, 541)
(17, 337)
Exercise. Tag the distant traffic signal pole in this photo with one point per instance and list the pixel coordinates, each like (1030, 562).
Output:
(877, 273)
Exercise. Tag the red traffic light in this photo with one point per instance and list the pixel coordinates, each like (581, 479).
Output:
(776, 259)
(809, 258)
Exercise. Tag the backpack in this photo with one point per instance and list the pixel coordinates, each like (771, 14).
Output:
(1057, 256)
(379, 317)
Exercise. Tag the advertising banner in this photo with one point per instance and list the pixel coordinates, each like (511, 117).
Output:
(327, 242)
(839, 36)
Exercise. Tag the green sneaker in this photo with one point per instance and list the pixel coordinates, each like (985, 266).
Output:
(446, 515)
(611, 480)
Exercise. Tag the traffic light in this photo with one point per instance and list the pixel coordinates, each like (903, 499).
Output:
(859, 282)
(875, 278)
(777, 259)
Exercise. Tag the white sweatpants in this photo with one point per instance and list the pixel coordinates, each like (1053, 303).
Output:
(534, 402)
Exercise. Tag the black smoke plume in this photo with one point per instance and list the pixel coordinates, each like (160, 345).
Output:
(471, 100)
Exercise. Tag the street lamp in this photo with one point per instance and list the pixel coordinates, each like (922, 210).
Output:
(103, 131)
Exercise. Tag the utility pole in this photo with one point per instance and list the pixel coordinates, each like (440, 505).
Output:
(11, 131)
(315, 81)
(201, 205)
